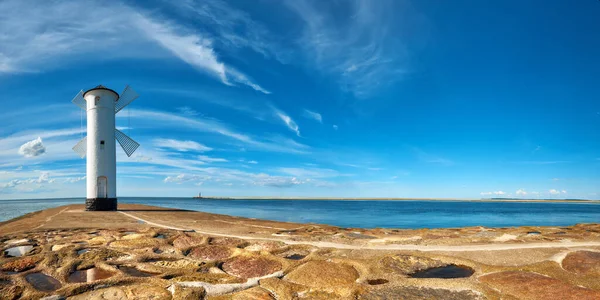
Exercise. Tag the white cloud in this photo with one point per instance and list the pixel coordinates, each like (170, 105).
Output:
(74, 179)
(499, 193)
(211, 159)
(33, 148)
(252, 162)
(554, 192)
(288, 121)
(180, 145)
(335, 127)
(313, 115)
(277, 181)
(563, 191)
(182, 178)
(45, 178)
(521, 192)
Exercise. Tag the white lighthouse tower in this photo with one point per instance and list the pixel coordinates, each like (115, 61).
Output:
(101, 105)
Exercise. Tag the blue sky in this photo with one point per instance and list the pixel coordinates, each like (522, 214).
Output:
(357, 98)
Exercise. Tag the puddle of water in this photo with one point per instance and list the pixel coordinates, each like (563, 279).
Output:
(82, 251)
(295, 256)
(89, 275)
(161, 236)
(534, 233)
(18, 251)
(377, 281)
(131, 271)
(449, 271)
(43, 282)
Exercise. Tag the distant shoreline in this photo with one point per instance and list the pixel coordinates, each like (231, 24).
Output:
(595, 201)
(401, 199)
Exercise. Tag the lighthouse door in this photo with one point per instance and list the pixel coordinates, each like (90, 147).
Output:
(102, 187)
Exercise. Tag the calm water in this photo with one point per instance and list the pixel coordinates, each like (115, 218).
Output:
(365, 214)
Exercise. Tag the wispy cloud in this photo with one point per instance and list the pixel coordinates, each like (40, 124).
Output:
(193, 49)
(543, 162)
(46, 34)
(188, 111)
(181, 145)
(364, 47)
(309, 172)
(209, 159)
(287, 120)
(521, 192)
(313, 115)
(37, 35)
(431, 158)
(275, 144)
(335, 127)
(232, 28)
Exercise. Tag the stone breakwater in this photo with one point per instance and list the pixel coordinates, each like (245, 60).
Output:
(155, 253)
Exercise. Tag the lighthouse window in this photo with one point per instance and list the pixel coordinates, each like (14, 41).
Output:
(101, 144)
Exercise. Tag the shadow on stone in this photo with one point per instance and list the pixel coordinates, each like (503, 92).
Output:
(445, 272)
(43, 282)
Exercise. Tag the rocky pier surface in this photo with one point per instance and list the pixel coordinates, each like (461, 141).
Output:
(145, 252)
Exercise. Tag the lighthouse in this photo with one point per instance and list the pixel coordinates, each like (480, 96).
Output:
(99, 146)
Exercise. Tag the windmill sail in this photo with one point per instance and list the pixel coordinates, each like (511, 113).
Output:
(81, 147)
(128, 144)
(79, 101)
(126, 97)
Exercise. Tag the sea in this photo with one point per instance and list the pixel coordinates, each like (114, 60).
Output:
(361, 213)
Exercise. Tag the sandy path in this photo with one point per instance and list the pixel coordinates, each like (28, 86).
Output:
(461, 248)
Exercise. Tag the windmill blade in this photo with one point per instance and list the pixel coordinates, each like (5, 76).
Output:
(128, 144)
(81, 147)
(79, 101)
(126, 97)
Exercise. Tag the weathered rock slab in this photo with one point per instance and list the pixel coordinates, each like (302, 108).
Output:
(210, 252)
(527, 285)
(582, 262)
(251, 266)
(323, 274)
